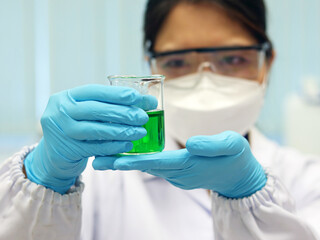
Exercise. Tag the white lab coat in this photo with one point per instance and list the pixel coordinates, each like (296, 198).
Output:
(133, 205)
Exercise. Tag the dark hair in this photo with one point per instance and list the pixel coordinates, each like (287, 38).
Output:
(250, 13)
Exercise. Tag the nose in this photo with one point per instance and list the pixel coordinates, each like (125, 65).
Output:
(207, 66)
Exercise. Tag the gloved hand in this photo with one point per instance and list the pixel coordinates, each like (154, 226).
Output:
(92, 120)
(223, 163)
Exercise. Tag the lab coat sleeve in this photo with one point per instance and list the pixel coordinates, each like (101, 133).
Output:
(268, 214)
(31, 211)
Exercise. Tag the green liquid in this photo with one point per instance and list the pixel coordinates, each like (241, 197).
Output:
(154, 140)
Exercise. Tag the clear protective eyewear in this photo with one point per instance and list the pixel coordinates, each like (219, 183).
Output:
(244, 62)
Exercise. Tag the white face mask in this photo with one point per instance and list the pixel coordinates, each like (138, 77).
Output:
(206, 103)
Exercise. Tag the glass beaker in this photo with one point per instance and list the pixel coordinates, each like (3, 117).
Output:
(154, 141)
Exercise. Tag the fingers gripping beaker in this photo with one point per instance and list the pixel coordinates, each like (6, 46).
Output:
(152, 87)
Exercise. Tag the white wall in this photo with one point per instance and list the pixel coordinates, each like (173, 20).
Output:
(50, 45)
(294, 27)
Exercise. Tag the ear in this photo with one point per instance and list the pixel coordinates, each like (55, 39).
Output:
(271, 60)
(266, 68)
(147, 59)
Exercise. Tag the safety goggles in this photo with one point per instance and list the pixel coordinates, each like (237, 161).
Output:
(240, 61)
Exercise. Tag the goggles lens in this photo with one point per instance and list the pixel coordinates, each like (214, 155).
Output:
(240, 62)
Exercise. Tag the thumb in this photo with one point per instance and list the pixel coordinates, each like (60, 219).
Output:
(224, 144)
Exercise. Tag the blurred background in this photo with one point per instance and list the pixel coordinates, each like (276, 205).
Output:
(50, 45)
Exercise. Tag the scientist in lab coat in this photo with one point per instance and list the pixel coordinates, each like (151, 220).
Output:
(219, 178)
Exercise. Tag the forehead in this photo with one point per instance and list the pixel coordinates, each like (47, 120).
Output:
(200, 25)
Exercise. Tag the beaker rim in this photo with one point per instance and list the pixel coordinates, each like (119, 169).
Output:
(144, 78)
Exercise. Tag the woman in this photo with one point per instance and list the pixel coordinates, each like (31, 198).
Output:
(216, 56)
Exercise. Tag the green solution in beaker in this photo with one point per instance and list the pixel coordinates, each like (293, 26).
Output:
(154, 140)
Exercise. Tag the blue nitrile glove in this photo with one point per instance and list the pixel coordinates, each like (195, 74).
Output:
(92, 120)
(223, 163)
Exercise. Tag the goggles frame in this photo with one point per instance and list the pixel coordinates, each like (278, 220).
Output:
(264, 47)
(263, 52)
